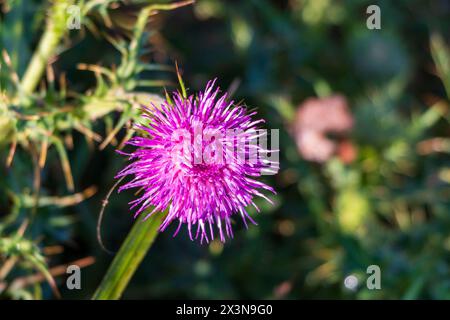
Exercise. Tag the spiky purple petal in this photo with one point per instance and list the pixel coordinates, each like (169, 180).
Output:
(173, 172)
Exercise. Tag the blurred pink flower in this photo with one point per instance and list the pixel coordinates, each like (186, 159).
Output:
(314, 120)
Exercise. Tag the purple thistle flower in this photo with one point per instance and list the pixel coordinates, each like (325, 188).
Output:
(187, 161)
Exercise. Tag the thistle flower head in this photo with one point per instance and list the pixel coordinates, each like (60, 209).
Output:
(198, 158)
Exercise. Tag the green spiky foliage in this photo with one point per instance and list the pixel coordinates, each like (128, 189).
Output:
(40, 113)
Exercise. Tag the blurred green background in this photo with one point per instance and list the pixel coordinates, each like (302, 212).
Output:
(389, 206)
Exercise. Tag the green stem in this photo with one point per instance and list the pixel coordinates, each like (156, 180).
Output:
(54, 31)
(128, 259)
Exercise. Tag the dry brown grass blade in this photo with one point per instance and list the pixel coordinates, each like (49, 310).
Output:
(88, 132)
(54, 272)
(94, 68)
(65, 201)
(7, 267)
(43, 152)
(52, 250)
(50, 74)
(8, 63)
(111, 135)
(23, 227)
(12, 151)
(433, 145)
(127, 137)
